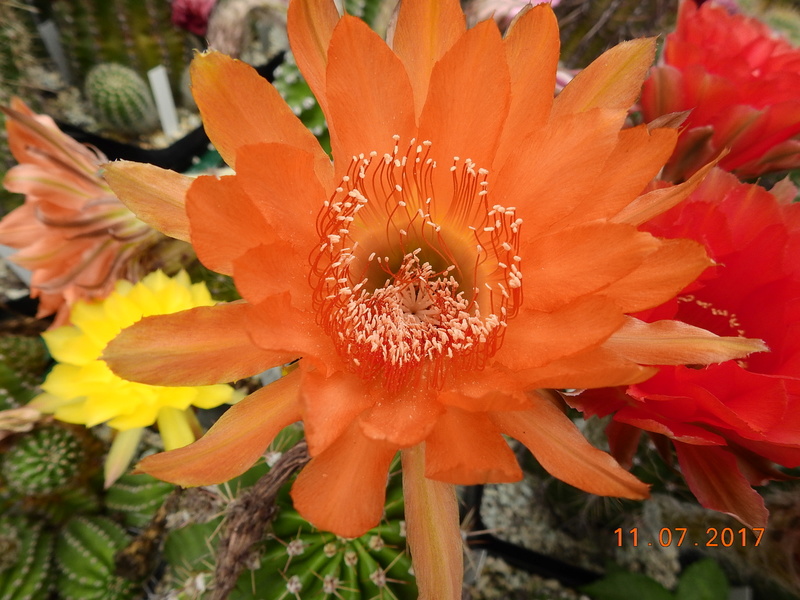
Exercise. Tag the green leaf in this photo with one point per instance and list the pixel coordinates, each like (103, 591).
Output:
(627, 586)
(703, 580)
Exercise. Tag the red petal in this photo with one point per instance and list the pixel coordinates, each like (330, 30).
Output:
(234, 442)
(715, 479)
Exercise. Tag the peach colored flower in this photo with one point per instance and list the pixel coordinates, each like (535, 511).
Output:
(72, 232)
(473, 240)
(741, 83)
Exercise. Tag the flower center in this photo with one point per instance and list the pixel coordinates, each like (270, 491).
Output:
(415, 273)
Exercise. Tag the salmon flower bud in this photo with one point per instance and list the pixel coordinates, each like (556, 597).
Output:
(72, 232)
(728, 422)
(472, 241)
(82, 389)
(741, 82)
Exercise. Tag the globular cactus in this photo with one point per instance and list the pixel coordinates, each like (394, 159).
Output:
(136, 498)
(43, 461)
(85, 560)
(26, 563)
(120, 99)
(302, 562)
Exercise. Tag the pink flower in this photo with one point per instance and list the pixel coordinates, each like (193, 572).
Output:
(192, 15)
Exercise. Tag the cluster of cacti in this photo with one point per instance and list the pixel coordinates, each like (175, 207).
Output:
(120, 99)
(136, 33)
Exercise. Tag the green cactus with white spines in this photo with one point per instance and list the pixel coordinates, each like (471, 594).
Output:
(136, 498)
(121, 99)
(85, 559)
(26, 563)
(43, 461)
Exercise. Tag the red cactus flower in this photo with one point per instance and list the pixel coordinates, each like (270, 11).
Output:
(728, 422)
(742, 84)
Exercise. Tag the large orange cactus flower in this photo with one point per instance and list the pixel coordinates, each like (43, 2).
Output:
(472, 241)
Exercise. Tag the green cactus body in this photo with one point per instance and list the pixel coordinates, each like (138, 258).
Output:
(85, 559)
(121, 99)
(26, 570)
(43, 461)
(136, 498)
(301, 562)
(23, 361)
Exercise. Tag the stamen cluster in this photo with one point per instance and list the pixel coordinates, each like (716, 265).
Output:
(399, 282)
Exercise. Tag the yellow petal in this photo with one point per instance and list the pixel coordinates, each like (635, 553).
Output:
(676, 343)
(174, 427)
(120, 455)
(157, 196)
(432, 530)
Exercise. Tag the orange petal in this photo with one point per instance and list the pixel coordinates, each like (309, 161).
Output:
(277, 325)
(638, 157)
(425, 31)
(235, 442)
(310, 24)
(343, 489)
(403, 420)
(532, 49)
(714, 477)
(565, 172)
(563, 451)
(493, 388)
(614, 80)
(369, 95)
(580, 260)
(676, 343)
(224, 221)
(535, 338)
(432, 530)
(157, 196)
(239, 107)
(592, 369)
(653, 203)
(281, 182)
(330, 405)
(199, 346)
(466, 448)
(468, 99)
(272, 269)
(661, 277)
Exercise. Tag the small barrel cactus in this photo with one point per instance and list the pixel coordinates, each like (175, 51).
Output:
(43, 461)
(26, 564)
(121, 99)
(85, 559)
(136, 498)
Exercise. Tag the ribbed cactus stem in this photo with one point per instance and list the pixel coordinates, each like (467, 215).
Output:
(121, 99)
